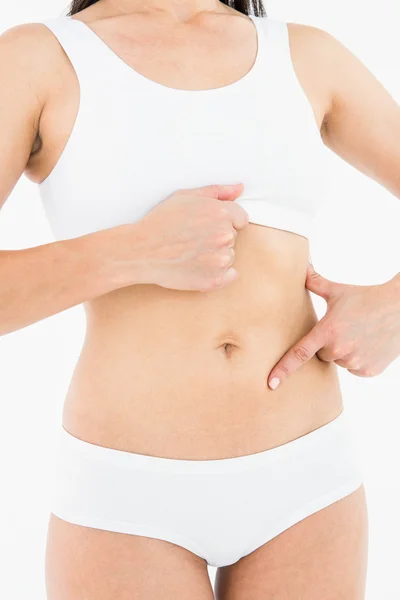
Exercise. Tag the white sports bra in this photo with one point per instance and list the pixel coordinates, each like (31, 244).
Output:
(135, 141)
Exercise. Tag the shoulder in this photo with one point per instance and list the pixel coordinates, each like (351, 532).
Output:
(26, 40)
(323, 49)
(310, 34)
(316, 42)
(321, 54)
(341, 69)
(29, 54)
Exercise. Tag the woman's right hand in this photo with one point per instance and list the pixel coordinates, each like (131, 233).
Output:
(187, 240)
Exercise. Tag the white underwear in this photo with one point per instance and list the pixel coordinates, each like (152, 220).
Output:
(222, 509)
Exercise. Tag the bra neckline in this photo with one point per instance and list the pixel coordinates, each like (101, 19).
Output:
(246, 78)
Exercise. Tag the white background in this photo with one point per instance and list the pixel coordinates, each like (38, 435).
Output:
(355, 241)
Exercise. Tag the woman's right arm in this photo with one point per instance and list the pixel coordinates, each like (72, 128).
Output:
(185, 242)
(37, 282)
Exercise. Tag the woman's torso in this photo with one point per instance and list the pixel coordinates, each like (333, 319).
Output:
(184, 374)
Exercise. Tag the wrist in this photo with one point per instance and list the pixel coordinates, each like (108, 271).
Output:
(121, 255)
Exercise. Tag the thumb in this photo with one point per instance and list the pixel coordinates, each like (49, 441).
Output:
(318, 284)
(220, 192)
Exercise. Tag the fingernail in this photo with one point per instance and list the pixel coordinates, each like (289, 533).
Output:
(274, 383)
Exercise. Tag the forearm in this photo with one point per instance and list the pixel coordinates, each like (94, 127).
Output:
(38, 282)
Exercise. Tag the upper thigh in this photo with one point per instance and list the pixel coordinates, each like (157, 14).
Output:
(91, 564)
(322, 556)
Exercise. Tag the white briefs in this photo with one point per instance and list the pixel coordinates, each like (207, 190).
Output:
(220, 509)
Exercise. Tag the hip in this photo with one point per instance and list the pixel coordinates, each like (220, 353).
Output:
(220, 510)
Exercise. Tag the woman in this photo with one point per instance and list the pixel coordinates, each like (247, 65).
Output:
(178, 149)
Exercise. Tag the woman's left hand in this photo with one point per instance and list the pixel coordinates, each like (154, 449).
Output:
(360, 330)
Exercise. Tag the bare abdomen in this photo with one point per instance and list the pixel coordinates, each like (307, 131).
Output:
(184, 374)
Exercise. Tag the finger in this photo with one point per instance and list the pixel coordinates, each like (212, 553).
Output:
(229, 239)
(229, 257)
(238, 216)
(328, 353)
(220, 192)
(298, 355)
(358, 373)
(318, 284)
(349, 362)
(357, 366)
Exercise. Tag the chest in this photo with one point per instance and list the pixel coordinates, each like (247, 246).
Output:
(133, 142)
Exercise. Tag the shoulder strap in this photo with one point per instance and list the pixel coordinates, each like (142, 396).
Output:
(89, 54)
(93, 60)
(71, 38)
(276, 56)
(281, 68)
(94, 63)
(277, 39)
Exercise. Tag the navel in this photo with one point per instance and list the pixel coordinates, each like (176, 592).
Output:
(229, 346)
(229, 349)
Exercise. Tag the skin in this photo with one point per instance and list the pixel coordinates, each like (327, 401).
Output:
(360, 330)
(372, 147)
(84, 563)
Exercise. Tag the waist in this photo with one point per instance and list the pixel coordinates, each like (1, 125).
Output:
(138, 331)
(168, 372)
(172, 363)
(179, 401)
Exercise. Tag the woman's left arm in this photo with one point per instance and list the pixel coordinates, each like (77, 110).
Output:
(361, 328)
